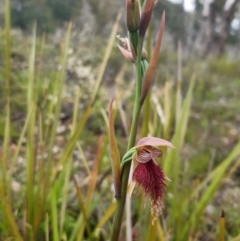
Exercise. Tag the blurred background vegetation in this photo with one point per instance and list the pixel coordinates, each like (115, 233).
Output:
(202, 41)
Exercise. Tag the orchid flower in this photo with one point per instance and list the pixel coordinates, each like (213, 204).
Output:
(147, 176)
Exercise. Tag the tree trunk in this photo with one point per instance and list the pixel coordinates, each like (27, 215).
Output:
(215, 26)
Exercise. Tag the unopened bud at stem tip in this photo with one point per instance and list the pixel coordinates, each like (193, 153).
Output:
(133, 15)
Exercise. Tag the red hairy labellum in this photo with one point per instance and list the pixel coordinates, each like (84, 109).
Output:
(150, 178)
(147, 175)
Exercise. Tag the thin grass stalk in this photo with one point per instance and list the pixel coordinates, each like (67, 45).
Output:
(75, 110)
(152, 124)
(159, 113)
(178, 210)
(179, 83)
(46, 185)
(167, 109)
(77, 233)
(221, 226)
(68, 167)
(60, 83)
(31, 71)
(48, 168)
(47, 227)
(3, 225)
(84, 160)
(107, 215)
(50, 104)
(92, 184)
(78, 229)
(31, 106)
(3, 171)
(105, 116)
(9, 216)
(64, 195)
(16, 153)
(38, 74)
(39, 175)
(54, 216)
(82, 205)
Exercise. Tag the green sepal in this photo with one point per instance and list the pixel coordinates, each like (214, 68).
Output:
(128, 156)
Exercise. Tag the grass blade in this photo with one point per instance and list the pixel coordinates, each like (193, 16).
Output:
(54, 216)
(82, 205)
(171, 163)
(115, 157)
(77, 233)
(221, 230)
(31, 109)
(3, 163)
(209, 192)
(109, 212)
(9, 216)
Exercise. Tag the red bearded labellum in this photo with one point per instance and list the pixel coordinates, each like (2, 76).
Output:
(148, 176)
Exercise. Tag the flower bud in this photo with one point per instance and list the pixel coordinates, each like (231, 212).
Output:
(133, 15)
(146, 16)
(144, 54)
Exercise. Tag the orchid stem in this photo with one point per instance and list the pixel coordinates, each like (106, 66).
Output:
(132, 138)
(137, 105)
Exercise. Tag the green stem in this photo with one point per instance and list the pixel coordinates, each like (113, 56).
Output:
(133, 133)
(3, 164)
